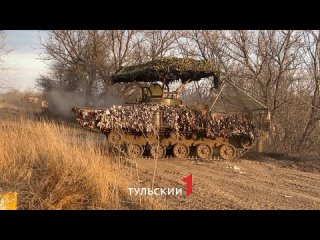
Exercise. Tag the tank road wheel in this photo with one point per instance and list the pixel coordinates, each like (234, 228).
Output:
(114, 138)
(203, 151)
(157, 151)
(245, 142)
(227, 152)
(180, 150)
(134, 150)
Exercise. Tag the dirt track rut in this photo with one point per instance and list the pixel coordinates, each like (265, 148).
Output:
(243, 184)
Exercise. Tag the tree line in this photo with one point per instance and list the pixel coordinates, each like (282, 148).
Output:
(279, 68)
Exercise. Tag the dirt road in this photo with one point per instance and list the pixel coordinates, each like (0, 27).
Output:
(244, 184)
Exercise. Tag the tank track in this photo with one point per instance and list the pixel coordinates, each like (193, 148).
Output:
(239, 154)
(195, 151)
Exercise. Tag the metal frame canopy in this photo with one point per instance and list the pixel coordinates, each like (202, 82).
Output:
(167, 69)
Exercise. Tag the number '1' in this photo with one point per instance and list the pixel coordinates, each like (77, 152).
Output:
(188, 181)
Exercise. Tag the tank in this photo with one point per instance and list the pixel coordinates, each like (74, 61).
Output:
(159, 124)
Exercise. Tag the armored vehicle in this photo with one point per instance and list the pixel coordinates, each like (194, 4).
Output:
(159, 123)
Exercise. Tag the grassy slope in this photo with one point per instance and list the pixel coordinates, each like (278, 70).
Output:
(52, 167)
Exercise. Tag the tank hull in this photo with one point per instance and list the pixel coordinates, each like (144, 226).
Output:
(156, 130)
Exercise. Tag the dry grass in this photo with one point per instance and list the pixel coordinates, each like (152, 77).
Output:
(53, 167)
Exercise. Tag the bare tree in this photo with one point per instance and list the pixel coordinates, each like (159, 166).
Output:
(203, 44)
(265, 64)
(3, 52)
(154, 44)
(2, 43)
(77, 60)
(312, 64)
(82, 61)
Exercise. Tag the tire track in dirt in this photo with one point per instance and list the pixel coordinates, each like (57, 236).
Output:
(217, 185)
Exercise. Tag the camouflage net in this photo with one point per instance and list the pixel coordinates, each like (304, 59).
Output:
(178, 119)
(168, 68)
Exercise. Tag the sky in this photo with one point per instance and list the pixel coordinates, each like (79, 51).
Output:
(23, 62)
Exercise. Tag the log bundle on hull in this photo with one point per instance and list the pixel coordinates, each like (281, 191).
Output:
(178, 121)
